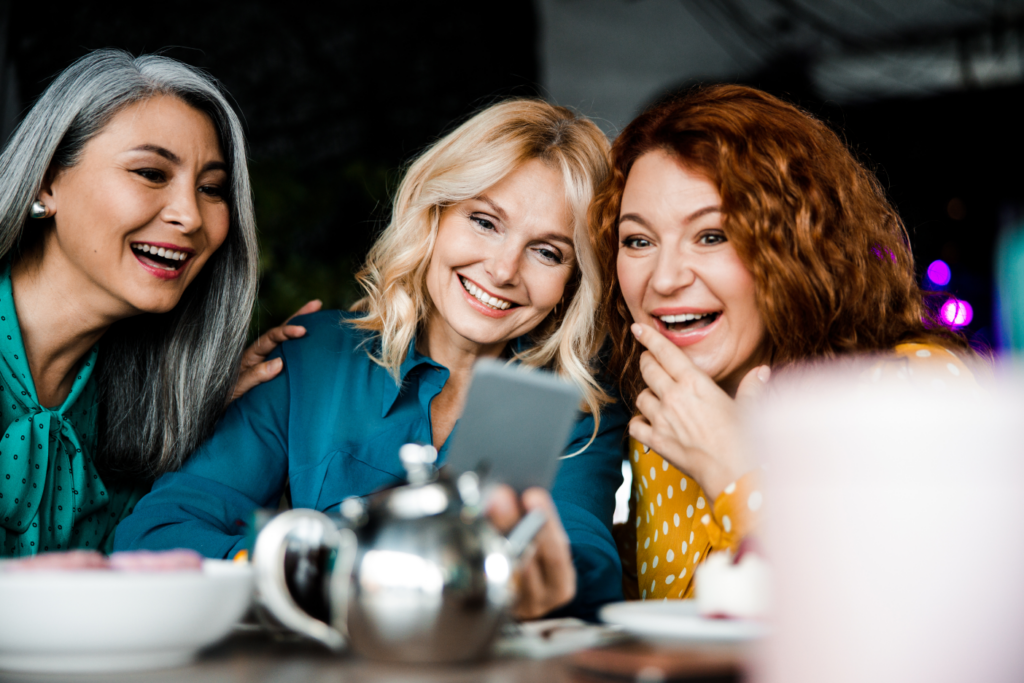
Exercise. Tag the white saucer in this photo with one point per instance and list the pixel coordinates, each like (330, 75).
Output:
(77, 621)
(678, 620)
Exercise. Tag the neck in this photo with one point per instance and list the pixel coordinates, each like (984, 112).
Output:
(443, 345)
(59, 317)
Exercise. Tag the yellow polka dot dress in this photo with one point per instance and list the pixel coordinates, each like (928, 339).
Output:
(677, 526)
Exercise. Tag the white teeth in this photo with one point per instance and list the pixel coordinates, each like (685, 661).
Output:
(483, 297)
(682, 317)
(161, 251)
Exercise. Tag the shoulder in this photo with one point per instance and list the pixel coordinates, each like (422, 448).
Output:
(921, 361)
(329, 332)
(927, 354)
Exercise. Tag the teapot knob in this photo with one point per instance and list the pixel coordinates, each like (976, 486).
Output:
(418, 461)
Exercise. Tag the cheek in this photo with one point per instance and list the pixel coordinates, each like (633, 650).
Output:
(631, 283)
(217, 222)
(743, 301)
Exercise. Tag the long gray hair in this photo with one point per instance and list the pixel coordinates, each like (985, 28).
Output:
(163, 379)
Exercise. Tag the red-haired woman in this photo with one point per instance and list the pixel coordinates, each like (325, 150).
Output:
(741, 235)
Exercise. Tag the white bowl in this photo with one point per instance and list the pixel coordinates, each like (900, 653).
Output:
(117, 620)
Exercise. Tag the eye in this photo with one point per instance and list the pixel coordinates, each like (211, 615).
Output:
(212, 190)
(550, 255)
(711, 238)
(151, 174)
(482, 221)
(635, 243)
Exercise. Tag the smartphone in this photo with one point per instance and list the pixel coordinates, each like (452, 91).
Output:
(515, 425)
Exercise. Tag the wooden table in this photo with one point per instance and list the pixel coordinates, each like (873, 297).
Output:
(258, 658)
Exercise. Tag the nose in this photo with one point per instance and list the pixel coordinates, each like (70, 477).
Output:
(672, 272)
(182, 209)
(503, 264)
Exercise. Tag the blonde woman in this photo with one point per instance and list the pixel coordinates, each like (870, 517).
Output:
(488, 254)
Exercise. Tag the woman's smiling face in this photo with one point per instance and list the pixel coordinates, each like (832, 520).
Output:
(679, 273)
(144, 208)
(501, 260)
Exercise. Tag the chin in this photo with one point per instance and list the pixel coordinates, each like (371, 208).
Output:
(156, 306)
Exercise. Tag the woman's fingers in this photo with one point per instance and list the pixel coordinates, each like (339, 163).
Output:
(531, 592)
(547, 577)
(676, 363)
(269, 340)
(255, 368)
(503, 508)
(641, 430)
(655, 377)
(754, 384)
(256, 374)
(309, 307)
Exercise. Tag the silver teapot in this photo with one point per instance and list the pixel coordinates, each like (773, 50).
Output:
(412, 574)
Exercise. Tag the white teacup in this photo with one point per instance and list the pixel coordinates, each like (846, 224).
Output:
(895, 526)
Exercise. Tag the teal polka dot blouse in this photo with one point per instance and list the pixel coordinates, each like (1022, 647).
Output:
(51, 495)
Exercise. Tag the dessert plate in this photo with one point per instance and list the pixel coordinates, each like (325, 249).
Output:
(678, 620)
(117, 620)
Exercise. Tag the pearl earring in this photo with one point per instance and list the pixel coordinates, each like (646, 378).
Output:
(38, 210)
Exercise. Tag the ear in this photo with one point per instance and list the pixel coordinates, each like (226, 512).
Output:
(48, 191)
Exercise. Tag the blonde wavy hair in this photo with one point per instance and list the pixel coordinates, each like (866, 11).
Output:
(477, 155)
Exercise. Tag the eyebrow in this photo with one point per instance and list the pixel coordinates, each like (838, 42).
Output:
(175, 159)
(494, 207)
(699, 213)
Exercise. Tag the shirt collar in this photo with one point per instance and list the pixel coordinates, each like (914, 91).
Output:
(393, 389)
(414, 359)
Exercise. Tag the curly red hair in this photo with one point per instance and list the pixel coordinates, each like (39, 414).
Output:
(829, 255)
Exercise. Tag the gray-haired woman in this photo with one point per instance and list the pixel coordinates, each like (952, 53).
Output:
(127, 277)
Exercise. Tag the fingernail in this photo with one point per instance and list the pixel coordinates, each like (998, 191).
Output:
(276, 364)
(636, 329)
(763, 373)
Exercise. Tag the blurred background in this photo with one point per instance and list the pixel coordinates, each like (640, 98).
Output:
(928, 93)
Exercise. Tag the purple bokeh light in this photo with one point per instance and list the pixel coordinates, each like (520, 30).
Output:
(956, 313)
(939, 273)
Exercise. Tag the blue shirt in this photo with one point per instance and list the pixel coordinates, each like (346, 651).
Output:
(330, 426)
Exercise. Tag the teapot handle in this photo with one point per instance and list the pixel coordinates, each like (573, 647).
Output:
(271, 588)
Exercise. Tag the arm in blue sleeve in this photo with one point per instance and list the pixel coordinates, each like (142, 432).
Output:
(584, 493)
(207, 505)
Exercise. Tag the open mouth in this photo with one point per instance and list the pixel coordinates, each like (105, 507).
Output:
(688, 322)
(485, 298)
(161, 258)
